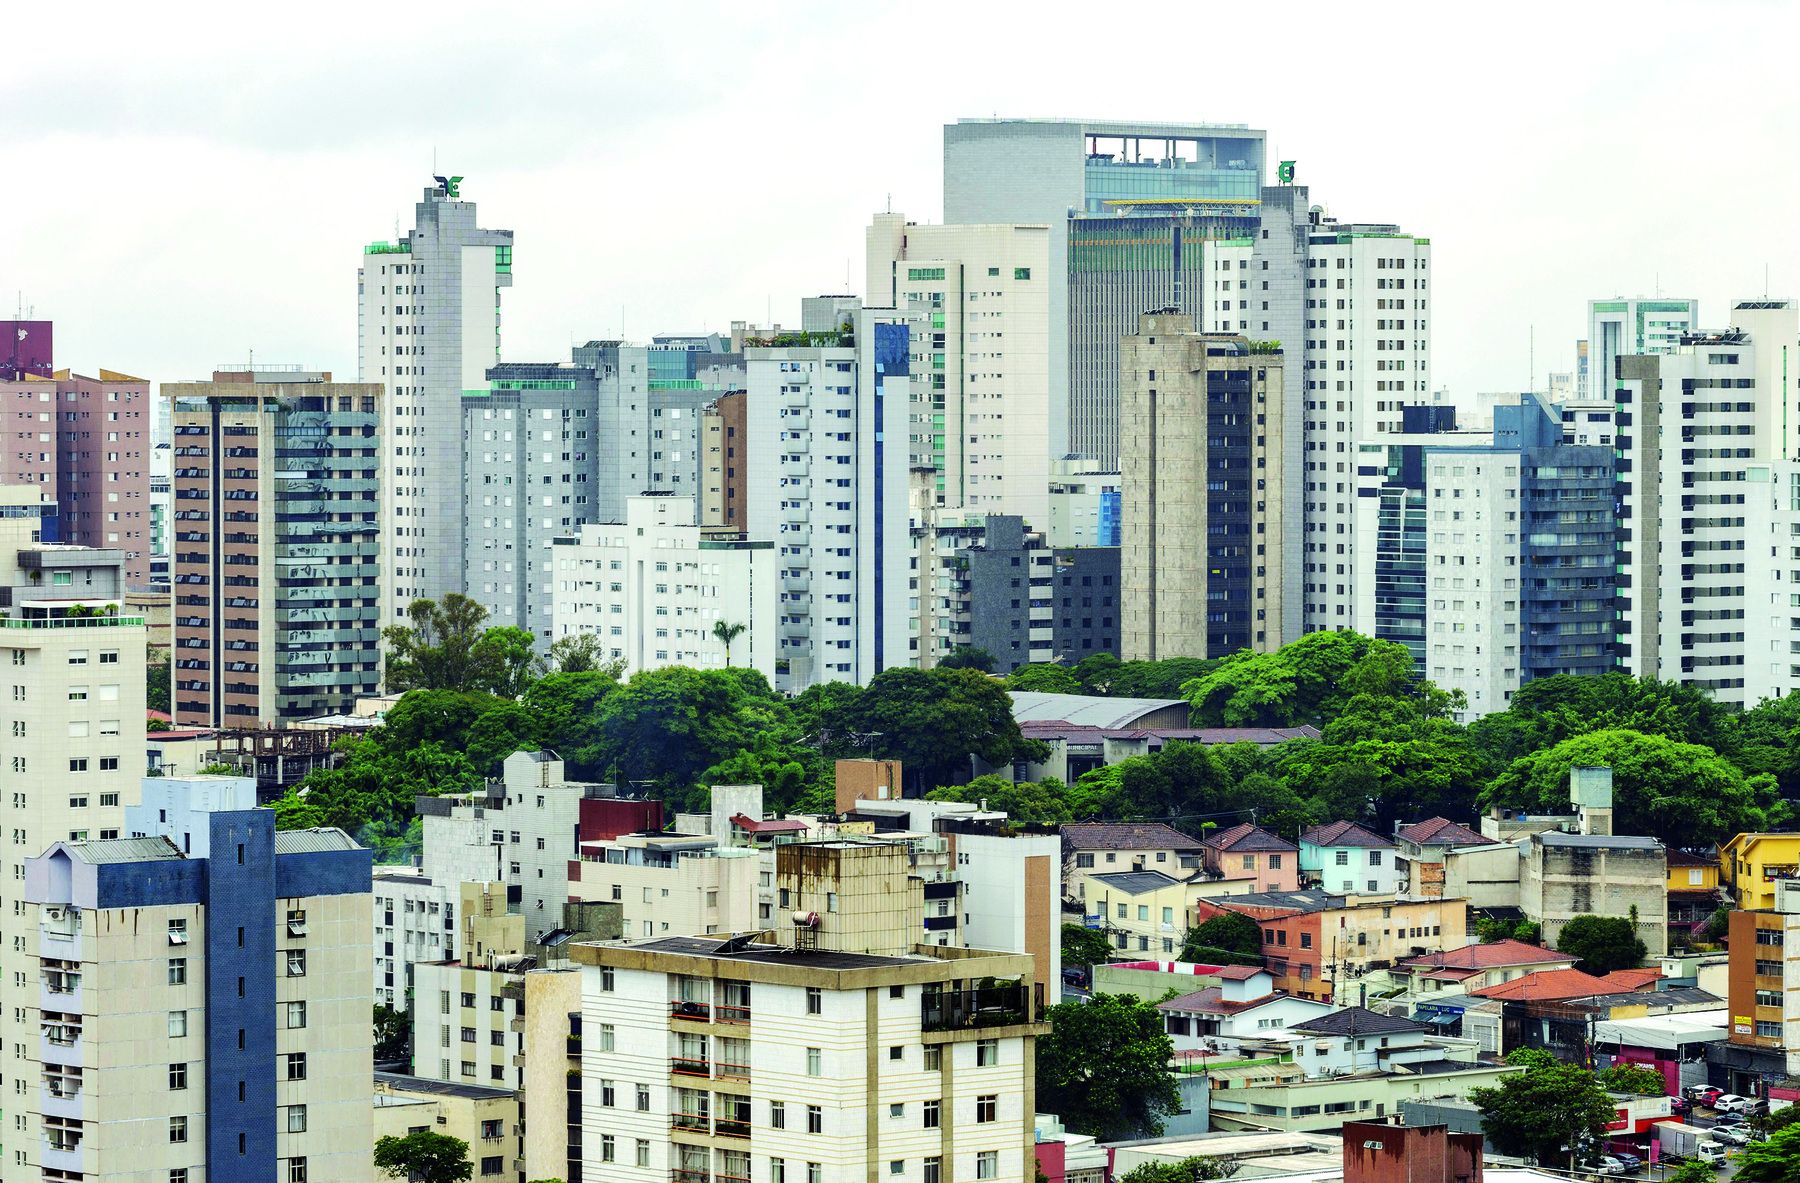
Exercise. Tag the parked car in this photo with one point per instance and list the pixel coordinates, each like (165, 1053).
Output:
(1731, 1135)
(1730, 1103)
(1680, 1107)
(1729, 1119)
(1703, 1093)
(1606, 1164)
(1074, 977)
(1632, 1162)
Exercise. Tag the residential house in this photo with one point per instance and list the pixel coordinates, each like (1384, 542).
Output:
(1751, 864)
(1245, 1003)
(1428, 850)
(1693, 892)
(1327, 1102)
(1091, 848)
(478, 1114)
(1344, 856)
(1320, 945)
(1474, 966)
(1146, 911)
(1356, 1039)
(1246, 852)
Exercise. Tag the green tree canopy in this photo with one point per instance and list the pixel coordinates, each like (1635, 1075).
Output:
(393, 1034)
(1045, 801)
(1084, 946)
(1305, 681)
(1533, 1114)
(1546, 711)
(1633, 1078)
(933, 720)
(1774, 1161)
(1229, 931)
(1044, 677)
(967, 657)
(1104, 1068)
(1679, 793)
(436, 649)
(424, 1157)
(1193, 1169)
(1603, 943)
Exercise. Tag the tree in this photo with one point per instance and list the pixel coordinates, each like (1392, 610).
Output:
(424, 1157)
(1045, 801)
(726, 634)
(1774, 1161)
(670, 724)
(579, 653)
(156, 686)
(1603, 943)
(503, 661)
(436, 651)
(1104, 1068)
(1680, 793)
(1305, 681)
(1693, 1171)
(967, 657)
(1044, 677)
(393, 1034)
(1718, 925)
(934, 720)
(1230, 931)
(1189, 1170)
(1535, 1113)
(1532, 1058)
(1084, 946)
(1507, 930)
(1634, 1078)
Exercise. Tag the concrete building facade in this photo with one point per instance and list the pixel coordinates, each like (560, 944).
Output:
(278, 570)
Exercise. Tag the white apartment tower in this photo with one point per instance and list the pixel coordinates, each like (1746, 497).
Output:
(1368, 355)
(653, 588)
(428, 325)
(982, 421)
(827, 486)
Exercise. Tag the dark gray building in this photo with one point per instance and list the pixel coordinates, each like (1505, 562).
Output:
(1029, 602)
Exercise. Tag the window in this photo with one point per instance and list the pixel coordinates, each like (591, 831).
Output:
(815, 1172)
(815, 1000)
(178, 1129)
(296, 1170)
(296, 1015)
(608, 1094)
(296, 1119)
(778, 1170)
(606, 1147)
(933, 1114)
(607, 1036)
(1249, 862)
(1343, 858)
(643, 1152)
(177, 1024)
(987, 1164)
(1084, 860)
(1274, 862)
(1374, 858)
(177, 971)
(296, 963)
(987, 1053)
(1768, 998)
(296, 1065)
(494, 1164)
(1768, 1030)
(777, 1115)
(985, 1106)
(178, 932)
(813, 1062)
(934, 1169)
(815, 1119)
(643, 1098)
(177, 1077)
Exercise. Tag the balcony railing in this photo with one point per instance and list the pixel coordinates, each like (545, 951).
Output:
(731, 1071)
(686, 1175)
(726, 1013)
(686, 1067)
(699, 1012)
(693, 1123)
(727, 1128)
(992, 1006)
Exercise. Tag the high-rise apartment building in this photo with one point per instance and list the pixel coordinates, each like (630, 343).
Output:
(278, 548)
(982, 421)
(654, 587)
(1635, 327)
(1084, 505)
(223, 1034)
(428, 325)
(1201, 538)
(827, 482)
(723, 464)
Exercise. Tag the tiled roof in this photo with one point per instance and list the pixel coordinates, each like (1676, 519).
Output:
(1212, 1001)
(1240, 973)
(1549, 985)
(784, 826)
(1345, 833)
(1357, 1020)
(1633, 979)
(1681, 858)
(1440, 831)
(1488, 956)
(1245, 836)
(1126, 836)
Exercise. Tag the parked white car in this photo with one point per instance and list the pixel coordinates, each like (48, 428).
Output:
(1732, 1103)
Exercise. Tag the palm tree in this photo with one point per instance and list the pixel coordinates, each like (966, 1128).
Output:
(727, 633)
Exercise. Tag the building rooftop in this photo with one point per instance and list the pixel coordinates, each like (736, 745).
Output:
(1345, 833)
(1598, 841)
(315, 839)
(400, 1082)
(818, 958)
(1441, 831)
(1212, 1001)
(1357, 1020)
(784, 826)
(1488, 955)
(1681, 858)
(1245, 836)
(1138, 882)
(1033, 707)
(1548, 985)
(1093, 733)
(1126, 836)
(1310, 900)
(124, 850)
(1240, 973)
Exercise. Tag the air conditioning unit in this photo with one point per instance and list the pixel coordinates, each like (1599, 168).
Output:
(53, 913)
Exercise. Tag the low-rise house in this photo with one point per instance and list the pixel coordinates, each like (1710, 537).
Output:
(1327, 1102)
(1473, 966)
(1247, 852)
(1751, 864)
(1344, 856)
(480, 1115)
(1243, 1004)
(1325, 946)
(1693, 892)
(1432, 864)
(1099, 848)
(1356, 1039)
(1144, 911)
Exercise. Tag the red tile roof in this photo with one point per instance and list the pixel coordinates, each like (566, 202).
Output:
(1344, 833)
(1245, 836)
(1211, 1001)
(1440, 831)
(1549, 985)
(786, 826)
(1240, 973)
(1633, 979)
(1490, 955)
(1126, 836)
(1681, 858)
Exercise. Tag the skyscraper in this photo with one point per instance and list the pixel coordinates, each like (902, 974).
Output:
(1639, 327)
(428, 323)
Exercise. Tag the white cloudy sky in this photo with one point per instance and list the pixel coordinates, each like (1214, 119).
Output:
(187, 184)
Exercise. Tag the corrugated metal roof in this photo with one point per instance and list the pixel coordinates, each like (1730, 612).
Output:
(1082, 708)
(1138, 882)
(124, 850)
(316, 839)
(1603, 841)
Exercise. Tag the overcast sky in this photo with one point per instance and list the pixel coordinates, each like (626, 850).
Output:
(187, 186)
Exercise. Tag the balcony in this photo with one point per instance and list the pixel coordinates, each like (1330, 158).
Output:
(726, 1071)
(696, 1012)
(726, 1013)
(685, 1067)
(727, 1128)
(690, 1123)
(688, 1175)
(993, 1006)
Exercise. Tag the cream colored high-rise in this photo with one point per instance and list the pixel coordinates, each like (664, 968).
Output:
(980, 412)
